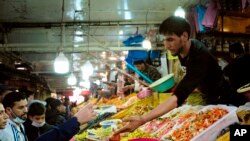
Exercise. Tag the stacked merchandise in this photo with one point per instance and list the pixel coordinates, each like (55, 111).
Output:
(94, 132)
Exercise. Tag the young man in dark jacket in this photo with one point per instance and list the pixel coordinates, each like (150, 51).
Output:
(67, 130)
(56, 114)
(36, 124)
(201, 71)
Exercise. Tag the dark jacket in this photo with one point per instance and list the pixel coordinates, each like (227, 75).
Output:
(151, 72)
(238, 71)
(53, 117)
(63, 132)
(204, 73)
(33, 132)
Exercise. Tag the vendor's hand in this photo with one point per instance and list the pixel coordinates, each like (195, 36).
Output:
(132, 124)
(85, 114)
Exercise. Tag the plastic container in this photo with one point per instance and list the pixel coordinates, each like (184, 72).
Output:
(163, 84)
(110, 123)
(145, 92)
(213, 131)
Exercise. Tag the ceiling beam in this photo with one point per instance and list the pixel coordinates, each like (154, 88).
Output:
(70, 50)
(75, 23)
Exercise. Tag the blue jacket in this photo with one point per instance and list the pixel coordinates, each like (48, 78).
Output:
(62, 132)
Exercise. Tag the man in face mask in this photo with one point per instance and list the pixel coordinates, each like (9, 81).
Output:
(15, 104)
(37, 125)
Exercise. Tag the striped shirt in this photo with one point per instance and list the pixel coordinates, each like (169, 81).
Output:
(13, 132)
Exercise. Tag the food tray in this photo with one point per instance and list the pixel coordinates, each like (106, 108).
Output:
(211, 132)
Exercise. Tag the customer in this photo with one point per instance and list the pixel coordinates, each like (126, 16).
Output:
(67, 130)
(3, 117)
(36, 115)
(129, 84)
(15, 104)
(148, 70)
(55, 115)
(202, 72)
(237, 71)
(67, 105)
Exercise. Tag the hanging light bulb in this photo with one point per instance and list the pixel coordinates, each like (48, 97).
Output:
(179, 12)
(146, 44)
(61, 64)
(120, 32)
(87, 69)
(72, 79)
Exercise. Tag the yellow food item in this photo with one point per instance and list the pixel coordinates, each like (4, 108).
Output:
(81, 137)
(115, 101)
(224, 137)
(195, 99)
(120, 114)
(244, 116)
(136, 134)
(128, 103)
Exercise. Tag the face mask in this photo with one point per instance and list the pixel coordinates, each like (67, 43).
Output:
(17, 119)
(38, 124)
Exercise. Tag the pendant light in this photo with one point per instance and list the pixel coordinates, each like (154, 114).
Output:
(146, 42)
(72, 79)
(179, 12)
(87, 69)
(61, 64)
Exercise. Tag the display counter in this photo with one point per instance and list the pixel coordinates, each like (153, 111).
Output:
(194, 123)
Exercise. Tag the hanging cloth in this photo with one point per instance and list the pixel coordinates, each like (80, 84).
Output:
(210, 17)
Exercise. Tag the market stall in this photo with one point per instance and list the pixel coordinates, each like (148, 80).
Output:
(195, 123)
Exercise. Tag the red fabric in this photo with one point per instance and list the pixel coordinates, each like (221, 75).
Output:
(85, 93)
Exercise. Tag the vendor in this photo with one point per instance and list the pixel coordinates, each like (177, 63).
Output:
(150, 71)
(202, 72)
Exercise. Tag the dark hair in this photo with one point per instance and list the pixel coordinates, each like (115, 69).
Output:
(11, 98)
(48, 101)
(36, 109)
(137, 62)
(175, 25)
(236, 48)
(55, 103)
